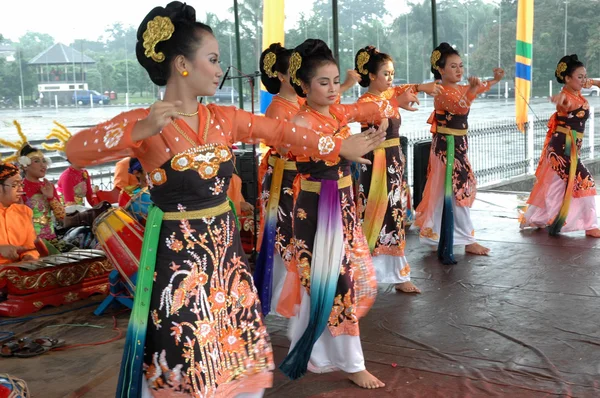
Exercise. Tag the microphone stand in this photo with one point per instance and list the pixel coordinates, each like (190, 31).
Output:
(251, 81)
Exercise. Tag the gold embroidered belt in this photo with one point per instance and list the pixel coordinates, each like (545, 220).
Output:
(392, 142)
(315, 186)
(42, 220)
(567, 131)
(289, 165)
(197, 214)
(449, 131)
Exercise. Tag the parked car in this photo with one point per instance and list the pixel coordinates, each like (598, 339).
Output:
(502, 85)
(592, 91)
(224, 94)
(82, 97)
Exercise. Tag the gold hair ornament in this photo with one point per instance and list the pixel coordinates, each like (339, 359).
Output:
(62, 134)
(560, 69)
(157, 30)
(361, 61)
(295, 62)
(435, 57)
(268, 63)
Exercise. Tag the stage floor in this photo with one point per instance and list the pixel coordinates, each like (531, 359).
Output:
(522, 322)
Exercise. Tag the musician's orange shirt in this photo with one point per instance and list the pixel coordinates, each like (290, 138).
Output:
(16, 229)
(122, 177)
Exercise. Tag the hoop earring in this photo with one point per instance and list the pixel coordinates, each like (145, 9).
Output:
(184, 73)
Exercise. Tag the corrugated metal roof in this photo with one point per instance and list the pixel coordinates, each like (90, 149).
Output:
(59, 54)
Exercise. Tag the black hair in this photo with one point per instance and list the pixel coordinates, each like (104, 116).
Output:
(134, 165)
(566, 66)
(281, 65)
(374, 61)
(184, 40)
(314, 53)
(27, 149)
(445, 51)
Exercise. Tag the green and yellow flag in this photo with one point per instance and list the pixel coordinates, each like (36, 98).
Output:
(523, 60)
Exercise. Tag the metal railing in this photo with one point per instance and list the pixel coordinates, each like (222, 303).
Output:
(498, 151)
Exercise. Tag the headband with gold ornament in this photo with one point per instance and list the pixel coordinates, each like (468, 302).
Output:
(295, 63)
(435, 57)
(157, 30)
(560, 69)
(7, 170)
(62, 134)
(268, 63)
(361, 61)
(19, 146)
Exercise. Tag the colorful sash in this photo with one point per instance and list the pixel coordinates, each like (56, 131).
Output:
(263, 274)
(445, 245)
(130, 377)
(324, 274)
(377, 199)
(570, 151)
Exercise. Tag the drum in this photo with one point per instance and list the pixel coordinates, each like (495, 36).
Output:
(121, 236)
(138, 206)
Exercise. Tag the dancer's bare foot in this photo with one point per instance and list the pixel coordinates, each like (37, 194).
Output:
(594, 233)
(433, 248)
(476, 248)
(407, 287)
(365, 379)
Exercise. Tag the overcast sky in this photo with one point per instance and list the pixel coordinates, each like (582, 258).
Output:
(66, 20)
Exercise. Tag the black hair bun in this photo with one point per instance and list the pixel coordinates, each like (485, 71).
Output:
(566, 66)
(273, 60)
(183, 41)
(313, 48)
(313, 53)
(438, 58)
(369, 60)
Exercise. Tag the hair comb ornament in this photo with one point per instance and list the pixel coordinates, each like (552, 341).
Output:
(361, 61)
(268, 63)
(295, 63)
(560, 69)
(435, 57)
(157, 30)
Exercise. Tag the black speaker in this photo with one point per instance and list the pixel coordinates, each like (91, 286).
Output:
(404, 147)
(245, 169)
(421, 152)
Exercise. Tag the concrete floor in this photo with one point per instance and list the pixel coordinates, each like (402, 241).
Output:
(522, 322)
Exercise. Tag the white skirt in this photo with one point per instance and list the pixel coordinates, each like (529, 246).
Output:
(391, 269)
(582, 211)
(279, 274)
(464, 233)
(329, 353)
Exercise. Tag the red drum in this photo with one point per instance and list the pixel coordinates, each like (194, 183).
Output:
(138, 205)
(121, 236)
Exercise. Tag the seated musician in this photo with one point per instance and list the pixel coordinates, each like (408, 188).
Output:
(123, 178)
(40, 194)
(234, 192)
(17, 236)
(75, 186)
(74, 183)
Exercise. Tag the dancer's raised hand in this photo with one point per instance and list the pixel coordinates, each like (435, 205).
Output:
(161, 114)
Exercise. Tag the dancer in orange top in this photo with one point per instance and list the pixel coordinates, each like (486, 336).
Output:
(381, 185)
(17, 236)
(276, 178)
(331, 282)
(196, 327)
(563, 195)
(444, 212)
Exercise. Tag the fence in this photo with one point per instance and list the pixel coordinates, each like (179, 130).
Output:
(498, 151)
